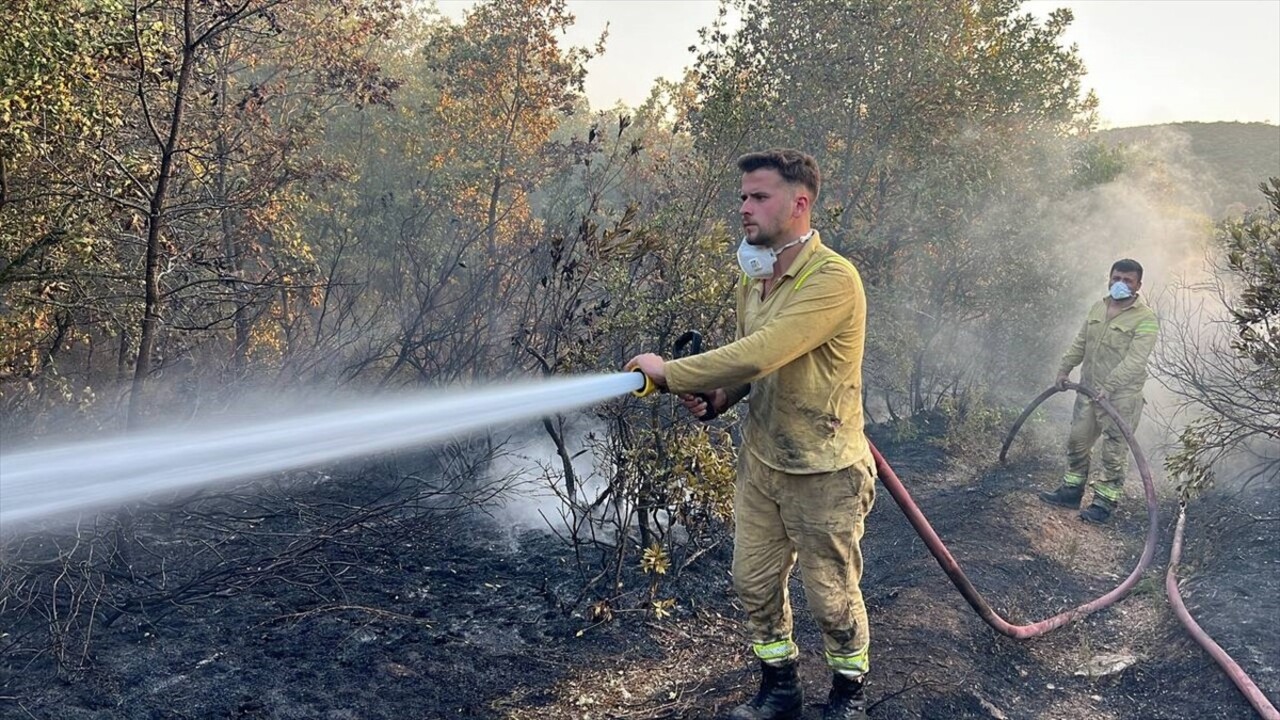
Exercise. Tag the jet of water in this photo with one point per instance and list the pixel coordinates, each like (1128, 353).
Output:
(44, 482)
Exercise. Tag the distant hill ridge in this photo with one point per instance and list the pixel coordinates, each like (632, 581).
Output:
(1239, 155)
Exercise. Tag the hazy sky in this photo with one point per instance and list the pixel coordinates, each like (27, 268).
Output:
(1157, 61)
(1150, 61)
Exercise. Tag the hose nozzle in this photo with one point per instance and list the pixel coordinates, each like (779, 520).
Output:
(648, 388)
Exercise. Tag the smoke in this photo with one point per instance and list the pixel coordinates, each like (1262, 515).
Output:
(1156, 211)
(532, 464)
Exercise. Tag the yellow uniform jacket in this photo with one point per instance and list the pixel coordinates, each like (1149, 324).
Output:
(1114, 352)
(799, 354)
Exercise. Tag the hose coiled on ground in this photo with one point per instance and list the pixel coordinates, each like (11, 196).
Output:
(961, 581)
(949, 565)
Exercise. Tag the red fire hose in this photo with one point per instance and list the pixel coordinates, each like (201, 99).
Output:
(992, 618)
(1250, 691)
(962, 583)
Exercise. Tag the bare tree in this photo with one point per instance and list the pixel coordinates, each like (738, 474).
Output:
(1220, 355)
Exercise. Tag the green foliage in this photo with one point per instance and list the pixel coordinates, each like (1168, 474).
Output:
(973, 424)
(1188, 463)
(150, 181)
(1252, 248)
(57, 106)
(1095, 163)
(53, 62)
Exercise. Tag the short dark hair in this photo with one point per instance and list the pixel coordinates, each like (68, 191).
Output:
(795, 167)
(1127, 265)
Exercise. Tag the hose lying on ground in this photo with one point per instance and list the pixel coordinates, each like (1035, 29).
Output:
(1229, 666)
(975, 599)
(962, 583)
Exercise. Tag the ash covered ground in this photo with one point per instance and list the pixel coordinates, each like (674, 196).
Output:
(469, 617)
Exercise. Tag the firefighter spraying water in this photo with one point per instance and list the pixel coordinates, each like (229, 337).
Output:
(806, 477)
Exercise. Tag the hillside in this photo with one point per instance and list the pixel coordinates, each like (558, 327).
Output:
(1235, 157)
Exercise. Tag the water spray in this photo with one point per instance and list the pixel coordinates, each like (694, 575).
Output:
(45, 482)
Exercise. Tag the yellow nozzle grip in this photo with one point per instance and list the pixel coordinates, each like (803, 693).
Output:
(649, 387)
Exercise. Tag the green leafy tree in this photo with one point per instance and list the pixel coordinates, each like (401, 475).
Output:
(57, 266)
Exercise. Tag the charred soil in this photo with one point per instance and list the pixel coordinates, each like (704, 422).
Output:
(473, 619)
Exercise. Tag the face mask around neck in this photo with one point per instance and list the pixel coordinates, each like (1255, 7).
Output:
(757, 262)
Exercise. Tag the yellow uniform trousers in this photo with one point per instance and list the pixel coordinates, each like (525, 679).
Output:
(818, 518)
(1088, 422)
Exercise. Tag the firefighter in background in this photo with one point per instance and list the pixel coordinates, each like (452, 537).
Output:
(805, 476)
(1112, 348)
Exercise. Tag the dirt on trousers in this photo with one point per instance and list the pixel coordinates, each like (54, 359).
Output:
(467, 621)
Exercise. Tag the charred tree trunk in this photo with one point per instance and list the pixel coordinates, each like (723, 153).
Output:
(556, 431)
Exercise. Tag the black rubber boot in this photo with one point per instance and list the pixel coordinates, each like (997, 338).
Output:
(848, 699)
(1065, 496)
(1096, 514)
(780, 697)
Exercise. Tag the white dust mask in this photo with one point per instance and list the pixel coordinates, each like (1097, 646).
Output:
(757, 261)
(1120, 291)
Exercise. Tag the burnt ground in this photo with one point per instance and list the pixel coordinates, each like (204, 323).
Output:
(468, 621)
